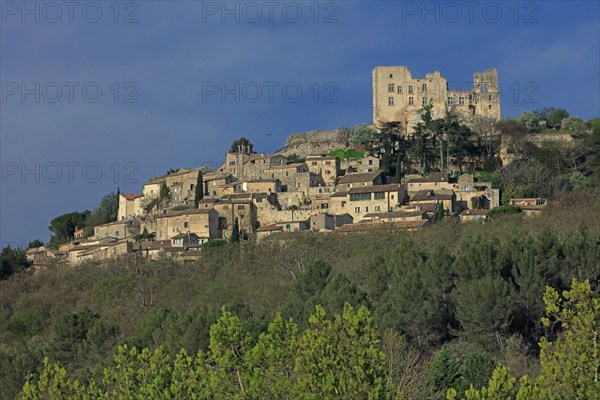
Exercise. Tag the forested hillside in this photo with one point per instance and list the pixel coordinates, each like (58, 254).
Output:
(426, 311)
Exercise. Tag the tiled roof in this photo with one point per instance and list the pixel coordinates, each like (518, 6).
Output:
(156, 181)
(376, 188)
(423, 195)
(353, 178)
(395, 214)
(267, 228)
(184, 235)
(131, 196)
(475, 212)
(185, 212)
(340, 194)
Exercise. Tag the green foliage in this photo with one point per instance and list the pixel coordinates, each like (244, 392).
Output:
(530, 121)
(340, 358)
(575, 125)
(35, 244)
(165, 192)
(242, 141)
(27, 323)
(145, 235)
(106, 211)
(12, 261)
(363, 134)
(505, 209)
(337, 358)
(64, 227)
(569, 365)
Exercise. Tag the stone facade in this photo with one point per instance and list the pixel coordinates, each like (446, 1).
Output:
(130, 206)
(119, 230)
(203, 223)
(397, 96)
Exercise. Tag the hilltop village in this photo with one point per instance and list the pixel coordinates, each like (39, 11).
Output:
(319, 182)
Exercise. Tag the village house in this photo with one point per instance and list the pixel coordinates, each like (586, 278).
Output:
(202, 222)
(213, 180)
(119, 229)
(39, 256)
(363, 200)
(187, 240)
(446, 198)
(327, 167)
(368, 163)
(397, 216)
(152, 188)
(261, 186)
(101, 250)
(349, 181)
(235, 207)
(182, 185)
(472, 194)
(328, 222)
(130, 206)
(473, 215)
(530, 206)
(434, 181)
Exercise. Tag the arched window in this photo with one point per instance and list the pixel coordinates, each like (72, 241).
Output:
(410, 89)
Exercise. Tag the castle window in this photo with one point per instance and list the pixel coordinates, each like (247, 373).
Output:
(490, 107)
(399, 89)
(390, 101)
(411, 101)
(410, 89)
(186, 224)
(461, 101)
(391, 76)
(391, 88)
(490, 97)
(356, 209)
(424, 87)
(450, 101)
(377, 208)
(483, 87)
(424, 101)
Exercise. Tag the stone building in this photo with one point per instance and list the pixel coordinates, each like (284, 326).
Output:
(360, 201)
(130, 205)
(202, 222)
(325, 166)
(119, 229)
(398, 96)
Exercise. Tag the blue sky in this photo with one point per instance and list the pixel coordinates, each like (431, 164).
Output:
(161, 67)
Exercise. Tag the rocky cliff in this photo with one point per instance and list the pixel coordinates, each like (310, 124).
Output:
(315, 142)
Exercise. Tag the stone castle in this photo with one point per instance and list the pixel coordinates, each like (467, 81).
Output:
(397, 96)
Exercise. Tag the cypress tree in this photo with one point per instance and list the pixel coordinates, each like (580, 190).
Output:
(235, 234)
(199, 195)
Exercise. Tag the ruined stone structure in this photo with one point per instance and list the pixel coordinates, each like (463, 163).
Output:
(397, 96)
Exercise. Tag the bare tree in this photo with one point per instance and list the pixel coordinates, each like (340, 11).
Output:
(486, 131)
